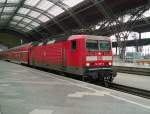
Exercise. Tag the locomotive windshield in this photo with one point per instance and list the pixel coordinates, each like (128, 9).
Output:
(94, 45)
(104, 45)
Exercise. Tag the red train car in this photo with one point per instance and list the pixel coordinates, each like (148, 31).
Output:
(83, 55)
(18, 54)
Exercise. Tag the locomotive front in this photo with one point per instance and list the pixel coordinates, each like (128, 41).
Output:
(99, 59)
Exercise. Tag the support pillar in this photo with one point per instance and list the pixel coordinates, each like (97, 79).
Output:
(116, 50)
(139, 47)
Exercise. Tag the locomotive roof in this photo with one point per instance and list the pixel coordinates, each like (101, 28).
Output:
(72, 37)
(60, 38)
(17, 47)
(92, 37)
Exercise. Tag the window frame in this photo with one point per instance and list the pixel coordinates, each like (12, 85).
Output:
(74, 45)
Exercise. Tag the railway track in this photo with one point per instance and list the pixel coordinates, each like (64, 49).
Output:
(126, 89)
(130, 90)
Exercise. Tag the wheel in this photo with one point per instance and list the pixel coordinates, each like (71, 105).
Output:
(84, 78)
(111, 79)
(106, 84)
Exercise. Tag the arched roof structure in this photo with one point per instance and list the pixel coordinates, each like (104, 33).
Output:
(40, 18)
(28, 15)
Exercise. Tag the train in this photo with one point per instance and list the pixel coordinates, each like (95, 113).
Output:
(87, 56)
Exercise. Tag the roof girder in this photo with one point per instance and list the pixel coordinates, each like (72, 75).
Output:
(50, 16)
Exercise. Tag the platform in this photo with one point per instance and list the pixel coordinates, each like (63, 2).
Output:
(119, 62)
(25, 90)
(132, 68)
(131, 65)
(132, 80)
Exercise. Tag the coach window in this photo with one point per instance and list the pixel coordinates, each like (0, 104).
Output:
(73, 45)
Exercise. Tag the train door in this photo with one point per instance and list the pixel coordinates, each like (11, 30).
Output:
(30, 56)
(45, 55)
(75, 56)
(64, 57)
(75, 53)
(35, 55)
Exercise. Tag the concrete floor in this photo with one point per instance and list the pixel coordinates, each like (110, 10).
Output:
(25, 90)
(132, 80)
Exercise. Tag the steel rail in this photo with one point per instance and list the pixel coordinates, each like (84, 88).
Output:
(130, 90)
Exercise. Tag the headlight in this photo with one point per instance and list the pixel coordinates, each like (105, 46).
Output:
(87, 64)
(110, 63)
(99, 53)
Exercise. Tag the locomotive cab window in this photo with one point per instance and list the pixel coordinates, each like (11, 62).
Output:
(105, 45)
(97, 45)
(92, 45)
(73, 45)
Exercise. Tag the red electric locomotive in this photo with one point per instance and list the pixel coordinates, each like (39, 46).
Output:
(82, 55)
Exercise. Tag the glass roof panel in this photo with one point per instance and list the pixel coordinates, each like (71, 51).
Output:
(2, 1)
(15, 27)
(147, 13)
(21, 25)
(43, 18)
(29, 28)
(13, 1)
(2, 21)
(34, 14)
(1, 9)
(35, 24)
(24, 30)
(55, 10)
(26, 20)
(17, 18)
(5, 16)
(72, 3)
(31, 2)
(13, 23)
(44, 5)
(23, 10)
(9, 9)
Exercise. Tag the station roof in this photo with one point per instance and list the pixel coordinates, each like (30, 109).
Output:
(58, 16)
(88, 13)
(26, 15)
